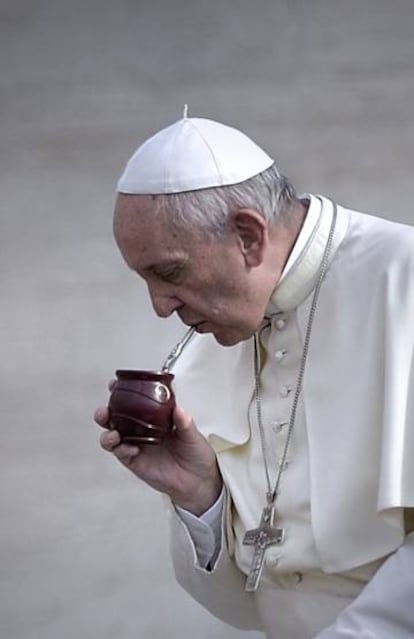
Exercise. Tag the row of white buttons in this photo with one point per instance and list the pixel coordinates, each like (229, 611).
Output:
(278, 426)
(280, 325)
(285, 391)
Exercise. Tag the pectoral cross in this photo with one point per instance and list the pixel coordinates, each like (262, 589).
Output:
(261, 538)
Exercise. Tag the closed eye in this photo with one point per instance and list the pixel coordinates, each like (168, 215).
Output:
(172, 274)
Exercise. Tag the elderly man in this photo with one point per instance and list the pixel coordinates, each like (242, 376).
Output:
(289, 471)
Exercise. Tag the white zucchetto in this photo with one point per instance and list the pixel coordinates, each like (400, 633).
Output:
(192, 154)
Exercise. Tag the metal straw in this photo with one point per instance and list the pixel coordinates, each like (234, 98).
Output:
(177, 350)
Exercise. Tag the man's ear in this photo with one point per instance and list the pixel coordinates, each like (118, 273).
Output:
(251, 230)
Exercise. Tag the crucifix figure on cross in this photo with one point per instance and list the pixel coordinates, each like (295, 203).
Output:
(261, 538)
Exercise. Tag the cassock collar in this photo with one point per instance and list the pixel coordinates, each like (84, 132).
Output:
(301, 272)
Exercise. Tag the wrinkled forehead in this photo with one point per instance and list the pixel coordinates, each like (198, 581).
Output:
(138, 217)
(141, 229)
(131, 211)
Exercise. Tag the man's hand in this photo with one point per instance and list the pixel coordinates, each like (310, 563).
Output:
(183, 465)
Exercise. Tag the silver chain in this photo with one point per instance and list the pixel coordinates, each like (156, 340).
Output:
(272, 494)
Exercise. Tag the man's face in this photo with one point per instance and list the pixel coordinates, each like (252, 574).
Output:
(206, 281)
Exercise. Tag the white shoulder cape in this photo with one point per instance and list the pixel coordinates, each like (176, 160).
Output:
(358, 393)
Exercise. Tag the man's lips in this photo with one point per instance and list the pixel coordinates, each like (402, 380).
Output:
(201, 327)
(191, 323)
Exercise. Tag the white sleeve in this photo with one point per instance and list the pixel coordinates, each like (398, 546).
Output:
(205, 531)
(385, 607)
(219, 588)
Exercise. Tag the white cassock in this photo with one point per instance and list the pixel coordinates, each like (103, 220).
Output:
(350, 471)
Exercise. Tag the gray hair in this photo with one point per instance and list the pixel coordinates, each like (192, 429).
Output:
(269, 193)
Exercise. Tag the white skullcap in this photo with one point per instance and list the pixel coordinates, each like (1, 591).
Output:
(191, 154)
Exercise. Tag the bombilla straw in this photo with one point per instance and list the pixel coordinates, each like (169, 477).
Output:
(177, 350)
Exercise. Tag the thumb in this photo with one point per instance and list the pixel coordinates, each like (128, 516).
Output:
(185, 427)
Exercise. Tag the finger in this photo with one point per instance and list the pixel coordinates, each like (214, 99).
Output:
(111, 385)
(184, 423)
(126, 453)
(101, 416)
(110, 440)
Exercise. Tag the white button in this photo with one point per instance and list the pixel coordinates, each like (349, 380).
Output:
(278, 425)
(279, 355)
(291, 579)
(285, 391)
(280, 324)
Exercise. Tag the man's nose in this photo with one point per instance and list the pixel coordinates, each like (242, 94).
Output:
(163, 304)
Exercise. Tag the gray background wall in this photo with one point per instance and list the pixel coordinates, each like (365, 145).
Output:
(327, 86)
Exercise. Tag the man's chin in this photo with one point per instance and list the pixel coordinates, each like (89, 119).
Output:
(223, 335)
(229, 338)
